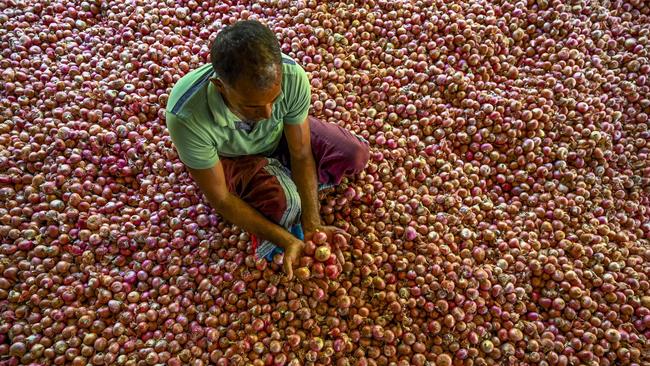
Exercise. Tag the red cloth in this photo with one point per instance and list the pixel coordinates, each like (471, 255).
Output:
(248, 179)
(337, 153)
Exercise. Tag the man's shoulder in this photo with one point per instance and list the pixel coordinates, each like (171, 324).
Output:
(187, 90)
(290, 66)
(294, 76)
(287, 60)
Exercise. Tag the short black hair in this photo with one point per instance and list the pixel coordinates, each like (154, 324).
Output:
(246, 49)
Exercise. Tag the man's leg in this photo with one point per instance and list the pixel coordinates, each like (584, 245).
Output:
(337, 152)
(264, 184)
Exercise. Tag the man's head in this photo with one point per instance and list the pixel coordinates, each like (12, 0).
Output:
(247, 59)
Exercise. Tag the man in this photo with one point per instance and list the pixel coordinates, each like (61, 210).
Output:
(241, 127)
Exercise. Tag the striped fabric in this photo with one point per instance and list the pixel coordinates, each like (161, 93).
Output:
(291, 216)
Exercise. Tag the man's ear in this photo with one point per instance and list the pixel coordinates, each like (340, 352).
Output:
(218, 84)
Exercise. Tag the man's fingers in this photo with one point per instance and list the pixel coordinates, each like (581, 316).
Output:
(339, 255)
(341, 239)
(346, 234)
(288, 268)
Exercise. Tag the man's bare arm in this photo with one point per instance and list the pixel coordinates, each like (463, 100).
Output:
(303, 172)
(212, 183)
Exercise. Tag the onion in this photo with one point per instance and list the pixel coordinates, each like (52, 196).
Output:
(322, 253)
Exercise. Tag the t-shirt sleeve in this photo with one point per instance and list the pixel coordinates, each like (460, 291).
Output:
(193, 149)
(298, 98)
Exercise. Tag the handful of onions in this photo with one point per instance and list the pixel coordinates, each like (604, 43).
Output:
(319, 260)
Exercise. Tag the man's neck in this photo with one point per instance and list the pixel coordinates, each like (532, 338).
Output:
(229, 106)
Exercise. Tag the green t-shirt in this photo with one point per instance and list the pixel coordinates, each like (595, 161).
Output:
(203, 128)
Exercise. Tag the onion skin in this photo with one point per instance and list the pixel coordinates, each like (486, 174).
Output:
(502, 217)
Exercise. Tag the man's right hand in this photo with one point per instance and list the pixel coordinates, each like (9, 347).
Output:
(292, 254)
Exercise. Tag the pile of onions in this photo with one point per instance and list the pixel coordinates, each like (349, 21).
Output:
(503, 217)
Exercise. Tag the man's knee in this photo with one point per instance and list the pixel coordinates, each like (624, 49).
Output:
(293, 204)
(358, 155)
(288, 192)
